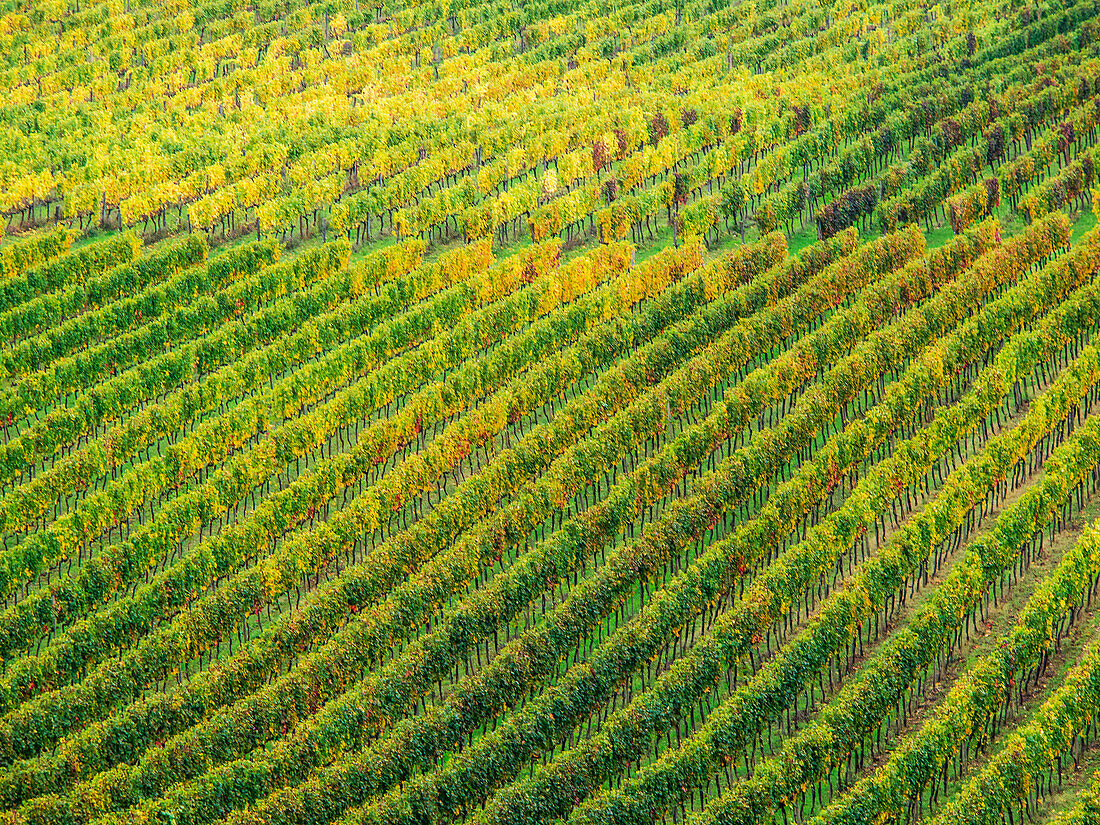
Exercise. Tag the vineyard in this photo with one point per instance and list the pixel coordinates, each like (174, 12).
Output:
(601, 412)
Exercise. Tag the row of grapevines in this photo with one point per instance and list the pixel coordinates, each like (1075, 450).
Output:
(16, 258)
(1010, 780)
(602, 343)
(50, 310)
(427, 660)
(626, 731)
(1069, 188)
(976, 695)
(187, 634)
(501, 685)
(66, 423)
(289, 507)
(222, 435)
(861, 704)
(295, 438)
(78, 266)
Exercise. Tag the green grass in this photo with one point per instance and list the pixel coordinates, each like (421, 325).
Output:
(939, 236)
(1062, 799)
(1082, 223)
